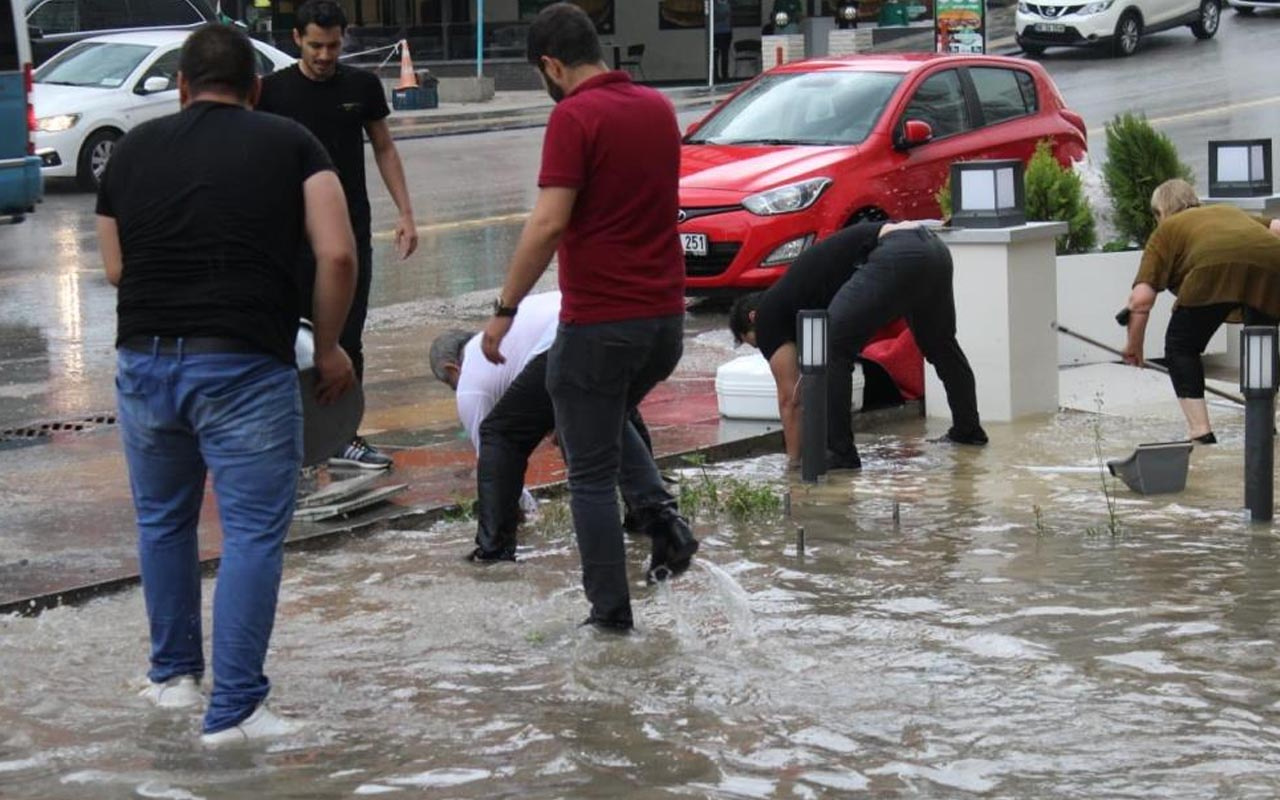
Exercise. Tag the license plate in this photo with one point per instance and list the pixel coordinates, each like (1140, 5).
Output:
(1050, 27)
(694, 244)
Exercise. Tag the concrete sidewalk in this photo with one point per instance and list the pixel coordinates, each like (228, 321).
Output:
(511, 110)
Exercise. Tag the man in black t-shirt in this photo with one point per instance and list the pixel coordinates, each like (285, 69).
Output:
(340, 104)
(866, 276)
(200, 216)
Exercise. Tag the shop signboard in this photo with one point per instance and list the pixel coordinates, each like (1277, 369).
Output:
(960, 26)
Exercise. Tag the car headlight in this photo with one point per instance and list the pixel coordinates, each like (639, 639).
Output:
(1096, 8)
(57, 123)
(787, 199)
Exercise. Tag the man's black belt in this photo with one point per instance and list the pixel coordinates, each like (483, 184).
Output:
(188, 345)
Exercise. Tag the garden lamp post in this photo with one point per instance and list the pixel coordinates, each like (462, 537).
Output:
(988, 194)
(811, 333)
(1259, 371)
(1240, 168)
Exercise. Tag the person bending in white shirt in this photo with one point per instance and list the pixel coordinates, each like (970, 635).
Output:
(507, 411)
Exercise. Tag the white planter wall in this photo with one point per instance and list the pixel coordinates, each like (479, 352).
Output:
(1091, 289)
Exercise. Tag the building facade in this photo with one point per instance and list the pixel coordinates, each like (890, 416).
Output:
(659, 41)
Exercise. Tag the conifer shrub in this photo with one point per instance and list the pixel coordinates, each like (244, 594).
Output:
(1139, 158)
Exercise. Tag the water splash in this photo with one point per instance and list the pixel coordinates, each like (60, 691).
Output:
(736, 600)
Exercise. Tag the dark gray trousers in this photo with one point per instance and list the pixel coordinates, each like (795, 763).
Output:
(595, 373)
(907, 275)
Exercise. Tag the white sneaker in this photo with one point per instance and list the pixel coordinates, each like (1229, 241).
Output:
(182, 691)
(261, 724)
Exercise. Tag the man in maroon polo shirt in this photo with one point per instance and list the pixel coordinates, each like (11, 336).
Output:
(607, 202)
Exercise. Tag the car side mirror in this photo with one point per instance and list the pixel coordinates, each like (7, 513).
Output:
(35, 33)
(156, 83)
(915, 132)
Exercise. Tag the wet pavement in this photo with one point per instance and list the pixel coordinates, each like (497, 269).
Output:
(67, 514)
(471, 194)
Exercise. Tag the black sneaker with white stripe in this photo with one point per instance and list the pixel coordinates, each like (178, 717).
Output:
(361, 455)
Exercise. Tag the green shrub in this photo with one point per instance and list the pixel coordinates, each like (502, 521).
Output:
(944, 197)
(1056, 194)
(711, 495)
(1139, 158)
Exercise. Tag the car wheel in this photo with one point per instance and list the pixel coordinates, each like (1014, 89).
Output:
(1210, 15)
(867, 215)
(94, 156)
(1128, 34)
(1033, 50)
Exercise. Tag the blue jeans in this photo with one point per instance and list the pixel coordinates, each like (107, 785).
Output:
(239, 416)
(595, 374)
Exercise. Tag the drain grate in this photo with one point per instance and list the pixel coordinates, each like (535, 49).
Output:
(38, 430)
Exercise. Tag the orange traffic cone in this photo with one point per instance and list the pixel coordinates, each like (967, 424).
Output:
(408, 80)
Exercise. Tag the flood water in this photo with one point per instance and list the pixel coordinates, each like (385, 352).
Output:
(995, 640)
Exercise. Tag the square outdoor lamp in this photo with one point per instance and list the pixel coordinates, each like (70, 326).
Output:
(1259, 360)
(811, 333)
(1240, 168)
(988, 194)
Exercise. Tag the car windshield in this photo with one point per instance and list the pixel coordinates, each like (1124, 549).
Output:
(820, 108)
(100, 64)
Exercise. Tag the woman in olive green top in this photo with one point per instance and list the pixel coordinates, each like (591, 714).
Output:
(1220, 262)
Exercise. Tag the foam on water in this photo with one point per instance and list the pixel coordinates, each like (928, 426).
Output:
(1150, 662)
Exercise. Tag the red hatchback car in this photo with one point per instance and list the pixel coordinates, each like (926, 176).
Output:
(810, 147)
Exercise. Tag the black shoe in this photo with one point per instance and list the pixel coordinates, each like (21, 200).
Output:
(975, 435)
(616, 627)
(482, 556)
(843, 461)
(673, 547)
(1208, 438)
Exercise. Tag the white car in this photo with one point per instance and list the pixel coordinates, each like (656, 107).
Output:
(1118, 24)
(1249, 6)
(89, 95)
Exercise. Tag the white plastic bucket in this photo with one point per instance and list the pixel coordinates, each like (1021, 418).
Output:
(745, 389)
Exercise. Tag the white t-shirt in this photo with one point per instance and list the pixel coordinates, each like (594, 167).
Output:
(482, 383)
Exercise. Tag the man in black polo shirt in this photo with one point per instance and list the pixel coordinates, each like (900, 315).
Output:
(866, 276)
(200, 217)
(340, 104)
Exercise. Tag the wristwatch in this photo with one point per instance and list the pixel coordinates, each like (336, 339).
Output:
(499, 310)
